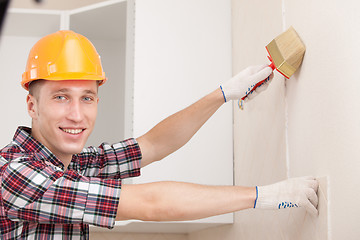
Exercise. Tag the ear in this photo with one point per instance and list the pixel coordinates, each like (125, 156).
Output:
(31, 106)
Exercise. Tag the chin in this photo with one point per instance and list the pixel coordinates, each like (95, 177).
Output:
(74, 150)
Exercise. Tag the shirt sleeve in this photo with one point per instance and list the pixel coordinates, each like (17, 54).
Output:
(120, 160)
(35, 191)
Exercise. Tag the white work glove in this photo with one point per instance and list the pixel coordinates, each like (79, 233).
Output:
(294, 192)
(241, 85)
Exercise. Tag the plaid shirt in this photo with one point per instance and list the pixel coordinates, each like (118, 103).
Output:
(39, 200)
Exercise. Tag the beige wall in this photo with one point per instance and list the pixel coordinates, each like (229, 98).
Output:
(323, 106)
(313, 119)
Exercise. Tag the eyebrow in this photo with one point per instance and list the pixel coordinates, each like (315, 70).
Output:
(90, 92)
(66, 90)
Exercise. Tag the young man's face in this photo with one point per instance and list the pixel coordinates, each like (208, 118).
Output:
(63, 114)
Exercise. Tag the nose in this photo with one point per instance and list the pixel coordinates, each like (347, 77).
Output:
(75, 112)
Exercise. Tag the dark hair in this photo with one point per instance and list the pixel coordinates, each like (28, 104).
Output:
(34, 87)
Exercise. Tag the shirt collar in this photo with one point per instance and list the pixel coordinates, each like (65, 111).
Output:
(30, 145)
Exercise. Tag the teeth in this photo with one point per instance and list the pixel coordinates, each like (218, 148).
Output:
(72, 131)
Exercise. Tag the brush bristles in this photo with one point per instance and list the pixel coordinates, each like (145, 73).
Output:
(291, 47)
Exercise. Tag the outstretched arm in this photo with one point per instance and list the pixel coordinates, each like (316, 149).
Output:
(176, 130)
(177, 201)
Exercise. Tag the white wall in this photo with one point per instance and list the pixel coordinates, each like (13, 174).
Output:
(12, 95)
(183, 52)
(111, 94)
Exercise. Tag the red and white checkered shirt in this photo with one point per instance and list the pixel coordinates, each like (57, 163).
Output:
(39, 200)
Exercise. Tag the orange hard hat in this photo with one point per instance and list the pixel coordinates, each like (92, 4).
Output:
(64, 55)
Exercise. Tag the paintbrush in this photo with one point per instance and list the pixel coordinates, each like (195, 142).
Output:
(286, 53)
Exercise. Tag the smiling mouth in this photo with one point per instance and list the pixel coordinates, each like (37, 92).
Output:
(72, 131)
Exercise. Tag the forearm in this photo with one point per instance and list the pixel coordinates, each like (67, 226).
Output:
(176, 130)
(175, 201)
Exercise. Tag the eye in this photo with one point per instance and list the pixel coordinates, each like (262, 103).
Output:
(88, 99)
(60, 97)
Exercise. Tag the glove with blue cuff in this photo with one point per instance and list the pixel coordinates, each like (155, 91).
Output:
(241, 84)
(294, 192)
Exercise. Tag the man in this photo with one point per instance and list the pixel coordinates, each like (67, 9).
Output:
(53, 188)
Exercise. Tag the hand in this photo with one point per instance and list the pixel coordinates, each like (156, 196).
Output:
(294, 192)
(241, 84)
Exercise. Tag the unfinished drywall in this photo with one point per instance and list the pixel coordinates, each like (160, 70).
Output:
(323, 106)
(321, 117)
